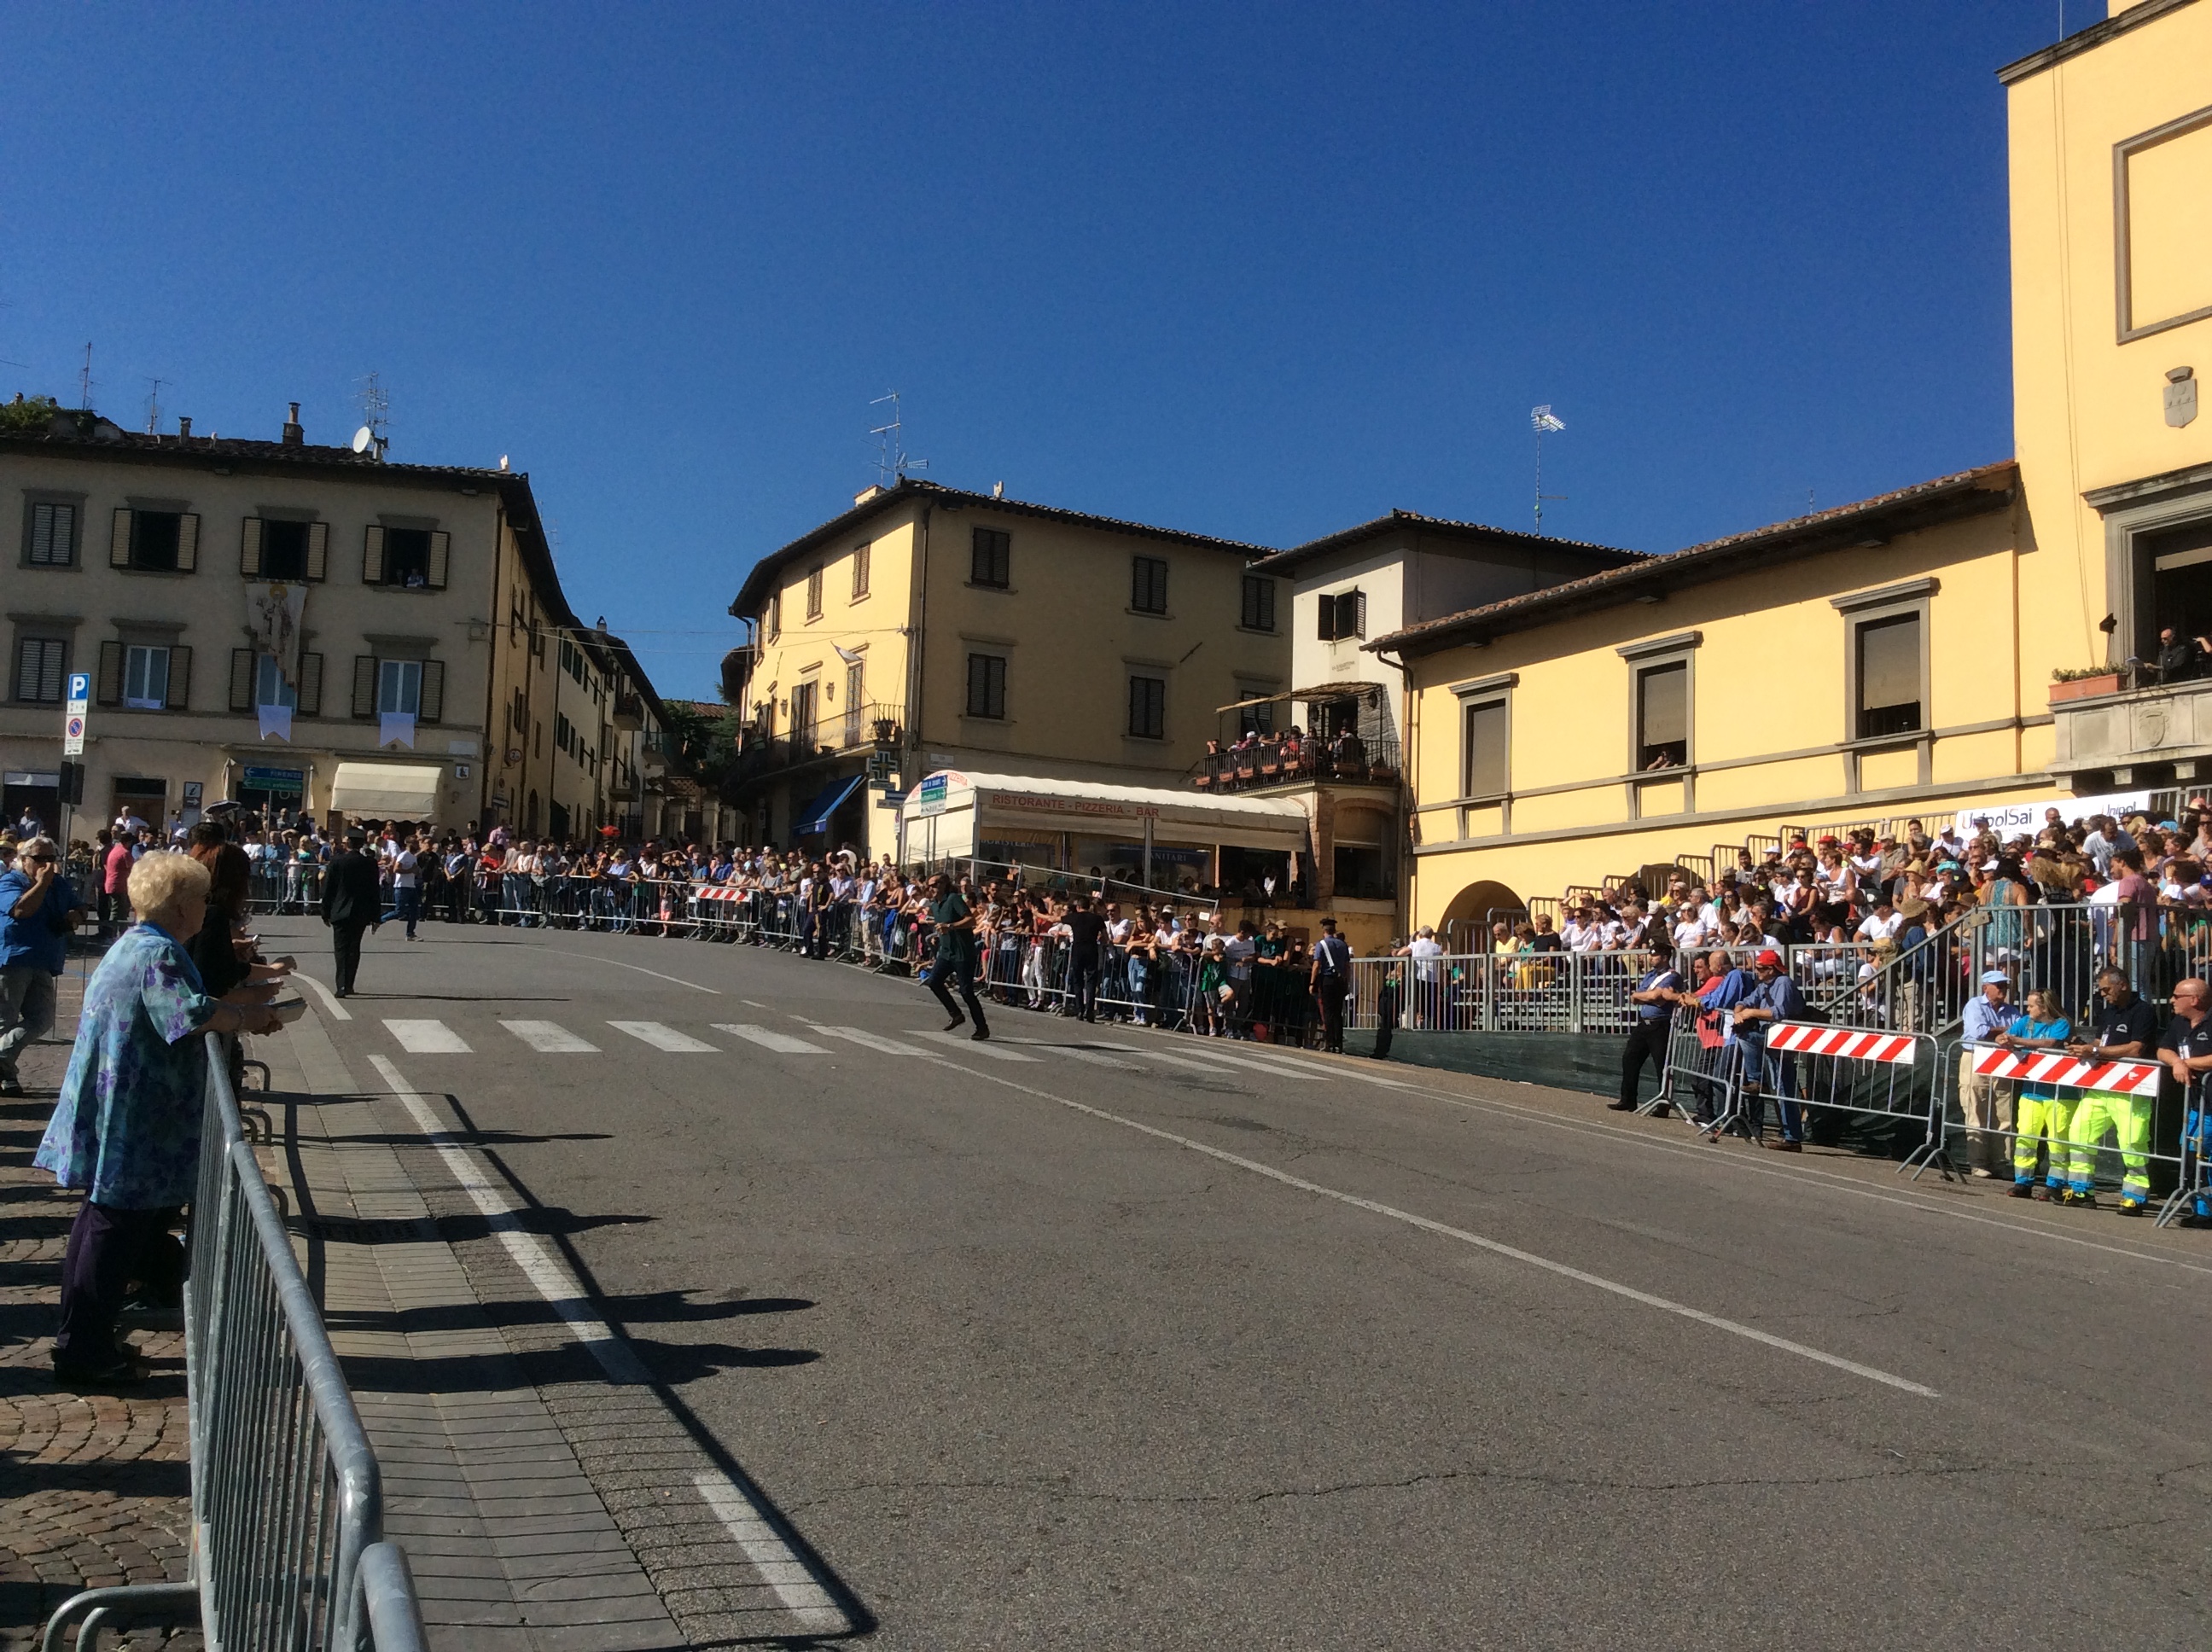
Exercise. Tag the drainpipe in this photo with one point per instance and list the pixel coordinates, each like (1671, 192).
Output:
(1407, 791)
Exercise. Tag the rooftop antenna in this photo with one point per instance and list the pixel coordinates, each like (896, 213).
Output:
(153, 406)
(892, 460)
(1543, 422)
(84, 379)
(376, 408)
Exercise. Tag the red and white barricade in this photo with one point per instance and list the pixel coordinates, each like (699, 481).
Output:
(718, 892)
(1893, 1079)
(1852, 1043)
(2121, 1077)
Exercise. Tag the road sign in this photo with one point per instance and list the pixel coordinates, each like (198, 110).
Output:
(929, 795)
(80, 699)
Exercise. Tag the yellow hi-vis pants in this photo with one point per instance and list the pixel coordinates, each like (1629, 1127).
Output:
(2129, 1119)
(2045, 1122)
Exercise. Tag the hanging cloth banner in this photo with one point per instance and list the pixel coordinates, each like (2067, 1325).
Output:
(396, 728)
(277, 721)
(273, 612)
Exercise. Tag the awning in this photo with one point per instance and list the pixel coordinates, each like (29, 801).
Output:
(1012, 805)
(385, 791)
(1325, 695)
(816, 817)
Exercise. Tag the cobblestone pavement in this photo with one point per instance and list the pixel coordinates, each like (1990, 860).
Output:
(94, 1487)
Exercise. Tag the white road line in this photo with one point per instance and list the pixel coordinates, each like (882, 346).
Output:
(782, 1044)
(595, 957)
(547, 1272)
(783, 1571)
(977, 1046)
(1444, 1229)
(1183, 1061)
(550, 1038)
(1272, 1069)
(1080, 1053)
(427, 1038)
(752, 1003)
(338, 1011)
(870, 1040)
(665, 1038)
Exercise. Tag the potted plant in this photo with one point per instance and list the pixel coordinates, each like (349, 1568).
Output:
(2083, 682)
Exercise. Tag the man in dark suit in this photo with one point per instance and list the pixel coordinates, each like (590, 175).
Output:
(351, 903)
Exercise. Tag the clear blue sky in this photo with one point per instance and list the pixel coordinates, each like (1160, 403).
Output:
(1259, 272)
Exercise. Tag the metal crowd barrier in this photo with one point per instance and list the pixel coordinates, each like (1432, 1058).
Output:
(286, 1498)
(2127, 1101)
(1509, 992)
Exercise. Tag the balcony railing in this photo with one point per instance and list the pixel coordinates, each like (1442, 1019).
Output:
(866, 727)
(1286, 761)
(2139, 737)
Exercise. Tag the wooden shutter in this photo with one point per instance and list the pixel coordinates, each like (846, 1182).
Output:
(441, 546)
(372, 558)
(1358, 600)
(181, 679)
(110, 686)
(188, 542)
(310, 686)
(249, 549)
(364, 685)
(241, 679)
(119, 542)
(318, 550)
(432, 704)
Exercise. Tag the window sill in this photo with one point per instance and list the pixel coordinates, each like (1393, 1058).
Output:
(1003, 590)
(1149, 613)
(50, 568)
(1260, 630)
(1146, 739)
(170, 573)
(992, 722)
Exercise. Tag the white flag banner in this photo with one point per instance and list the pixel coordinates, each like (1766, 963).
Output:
(273, 612)
(396, 728)
(277, 721)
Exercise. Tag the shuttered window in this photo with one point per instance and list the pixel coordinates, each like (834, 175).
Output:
(52, 537)
(1485, 771)
(1663, 715)
(1343, 616)
(155, 542)
(1259, 611)
(814, 591)
(408, 559)
(41, 665)
(990, 558)
(1148, 584)
(1889, 679)
(986, 685)
(861, 556)
(1148, 708)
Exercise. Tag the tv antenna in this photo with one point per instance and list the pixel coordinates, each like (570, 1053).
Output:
(892, 460)
(376, 407)
(153, 406)
(84, 379)
(1544, 423)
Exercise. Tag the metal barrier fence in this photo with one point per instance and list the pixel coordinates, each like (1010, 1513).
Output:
(1508, 991)
(286, 1498)
(2046, 1107)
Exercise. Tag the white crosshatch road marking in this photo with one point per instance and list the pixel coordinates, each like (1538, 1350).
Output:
(867, 1040)
(427, 1038)
(976, 1046)
(665, 1038)
(550, 1038)
(781, 1043)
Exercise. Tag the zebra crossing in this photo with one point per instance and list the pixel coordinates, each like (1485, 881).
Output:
(419, 1036)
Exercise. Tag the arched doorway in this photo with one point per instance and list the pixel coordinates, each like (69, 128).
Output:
(1465, 926)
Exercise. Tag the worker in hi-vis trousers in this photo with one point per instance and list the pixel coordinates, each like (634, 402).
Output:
(2186, 1049)
(2124, 1027)
(2045, 1120)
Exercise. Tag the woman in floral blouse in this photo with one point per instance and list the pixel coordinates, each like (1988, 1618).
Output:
(127, 1127)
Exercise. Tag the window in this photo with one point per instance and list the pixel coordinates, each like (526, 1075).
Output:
(41, 666)
(1258, 719)
(399, 687)
(256, 681)
(802, 714)
(564, 733)
(145, 677)
(1663, 715)
(1148, 708)
(269, 687)
(283, 550)
(52, 539)
(412, 559)
(155, 542)
(814, 591)
(986, 685)
(856, 698)
(772, 621)
(1148, 584)
(991, 558)
(1485, 770)
(861, 571)
(1888, 677)
(1259, 603)
(1343, 616)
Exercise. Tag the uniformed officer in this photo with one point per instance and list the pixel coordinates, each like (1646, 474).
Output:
(2124, 1027)
(2186, 1049)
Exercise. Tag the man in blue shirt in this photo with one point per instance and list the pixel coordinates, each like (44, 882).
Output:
(38, 909)
(1651, 1015)
(1985, 1101)
(1776, 997)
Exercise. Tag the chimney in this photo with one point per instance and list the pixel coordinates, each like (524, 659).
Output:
(867, 493)
(294, 435)
(184, 427)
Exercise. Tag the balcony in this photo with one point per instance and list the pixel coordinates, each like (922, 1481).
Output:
(2133, 737)
(630, 712)
(1345, 735)
(871, 726)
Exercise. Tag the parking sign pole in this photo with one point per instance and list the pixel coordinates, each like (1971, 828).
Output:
(73, 720)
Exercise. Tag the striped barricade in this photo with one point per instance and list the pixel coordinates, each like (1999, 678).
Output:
(2067, 1071)
(1892, 1081)
(2072, 1120)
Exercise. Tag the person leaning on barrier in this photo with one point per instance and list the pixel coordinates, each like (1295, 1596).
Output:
(126, 1130)
(2186, 1049)
(2124, 1027)
(1654, 997)
(2045, 1117)
(1986, 1102)
(1776, 997)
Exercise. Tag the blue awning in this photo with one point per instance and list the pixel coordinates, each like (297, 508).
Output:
(816, 817)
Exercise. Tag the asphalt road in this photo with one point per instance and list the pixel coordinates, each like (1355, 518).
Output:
(1127, 1343)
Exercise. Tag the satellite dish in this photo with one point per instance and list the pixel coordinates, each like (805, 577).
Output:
(361, 438)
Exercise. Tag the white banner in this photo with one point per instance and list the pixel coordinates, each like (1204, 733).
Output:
(272, 613)
(396, 728)
(277, 721)
(2010, 819)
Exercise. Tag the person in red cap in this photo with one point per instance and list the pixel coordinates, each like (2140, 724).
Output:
(1774, 998)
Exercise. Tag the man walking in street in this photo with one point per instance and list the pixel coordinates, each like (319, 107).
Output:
(352, 902)
(1331, 979)
(1086, 931)
(38, 909)
(956, 954)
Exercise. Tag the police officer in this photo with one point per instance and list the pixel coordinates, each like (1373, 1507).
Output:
(2186, 1049)
(1654, 999)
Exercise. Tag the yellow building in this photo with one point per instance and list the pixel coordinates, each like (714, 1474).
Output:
(930, 628)
(1895, 658)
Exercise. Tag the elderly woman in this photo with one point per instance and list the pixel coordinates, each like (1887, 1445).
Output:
(127, 1127)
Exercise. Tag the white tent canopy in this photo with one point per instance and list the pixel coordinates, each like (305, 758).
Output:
(385, 791)
(951, 810)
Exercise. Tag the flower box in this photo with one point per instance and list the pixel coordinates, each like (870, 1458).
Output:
(2085, 688)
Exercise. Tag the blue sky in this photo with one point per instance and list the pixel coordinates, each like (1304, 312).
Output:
(1255, 271)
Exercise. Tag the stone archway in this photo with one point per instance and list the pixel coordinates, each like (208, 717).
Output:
(1463, 927)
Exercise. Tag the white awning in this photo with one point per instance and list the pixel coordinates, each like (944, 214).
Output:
(1008, 803)
(385, 791)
